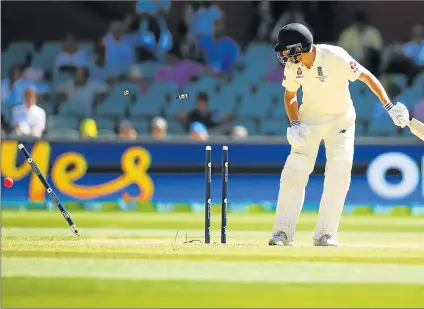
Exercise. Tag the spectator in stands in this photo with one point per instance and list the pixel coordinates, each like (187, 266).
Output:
(71, 56)
(199, 20)
(220, 52)
(363, 41)
(293, 14)
(159, 128)
(178, 71)
(158, 10)
(28, 118)
(88, 128)
(200, 113)
(82, 91)
(414, 49)
(158, 41)
(198, 131)
(119, 49)
(13, 87)
(265, 21)
(126, 130)
(239, 133)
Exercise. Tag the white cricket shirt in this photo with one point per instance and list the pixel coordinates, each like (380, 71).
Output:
(325, 85)
(29, 120)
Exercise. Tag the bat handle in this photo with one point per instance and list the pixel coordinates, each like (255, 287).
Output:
(74, 229)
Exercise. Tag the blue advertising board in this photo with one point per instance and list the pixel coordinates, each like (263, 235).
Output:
(66, 166)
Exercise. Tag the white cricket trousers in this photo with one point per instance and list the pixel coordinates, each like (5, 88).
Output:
(338, 134)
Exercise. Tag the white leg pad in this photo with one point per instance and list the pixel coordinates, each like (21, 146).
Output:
(294, 178)
(336, 186)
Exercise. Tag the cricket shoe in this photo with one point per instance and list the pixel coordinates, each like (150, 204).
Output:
(280, 239)
(326, 241)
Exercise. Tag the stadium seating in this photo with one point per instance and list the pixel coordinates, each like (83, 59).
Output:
(63, 134)
(250, 125)
(257, 105)
(66, 122)
(106, 134)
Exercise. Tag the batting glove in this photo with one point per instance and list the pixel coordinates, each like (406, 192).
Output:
(399, 113)
(296, 134)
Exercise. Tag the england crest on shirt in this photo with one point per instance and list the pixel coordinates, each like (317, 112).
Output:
(321, 75)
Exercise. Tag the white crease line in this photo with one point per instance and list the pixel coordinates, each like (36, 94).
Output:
(301, 272)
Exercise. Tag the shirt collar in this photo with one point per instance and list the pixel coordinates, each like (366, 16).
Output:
(318, 55)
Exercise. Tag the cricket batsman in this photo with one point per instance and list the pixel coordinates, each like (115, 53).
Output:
(327, 113)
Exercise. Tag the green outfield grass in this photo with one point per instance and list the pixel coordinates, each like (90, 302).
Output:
(140, 260)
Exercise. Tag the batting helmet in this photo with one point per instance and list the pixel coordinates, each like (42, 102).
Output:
(293, 40)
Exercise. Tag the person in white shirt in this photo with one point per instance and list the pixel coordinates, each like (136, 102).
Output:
(327, 113)
(28, 118)
(71, 56)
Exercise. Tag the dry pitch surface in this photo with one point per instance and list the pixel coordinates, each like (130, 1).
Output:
(136, 260)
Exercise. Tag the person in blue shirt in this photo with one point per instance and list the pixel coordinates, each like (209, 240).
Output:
(155, 38)
(13, 87)
(414, 49)
(219, 52)
(119, 49)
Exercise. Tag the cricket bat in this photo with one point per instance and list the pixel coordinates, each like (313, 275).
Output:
(417, 128)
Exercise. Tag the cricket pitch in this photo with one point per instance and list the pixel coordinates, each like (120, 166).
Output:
(141, 260)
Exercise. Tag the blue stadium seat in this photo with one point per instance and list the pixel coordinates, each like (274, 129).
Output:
(120, 87)
(411, 96)
(6, 110)
(147, 106)
(254, 107)
(61, 77)
(149, 68)
(274, 127)
(65, 122)
(51, 49)
(255, 51)
(162, 90)
(270, 92)
(384, 127)
(105, 124)
(222, 103)
(241, 82)
(22, 48)
(178, 106)
(357, 89)
(359, 129)
(9, 60)
(71, 108)
(142, 126)
(175, 128)
(48, 107)
(210, 80)
(278, 111)
(194, 88)
(43, 61)
(364, 107)
(87, 47)
(106, 134)
(113, 107)
(250, 125)
(63, 134)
